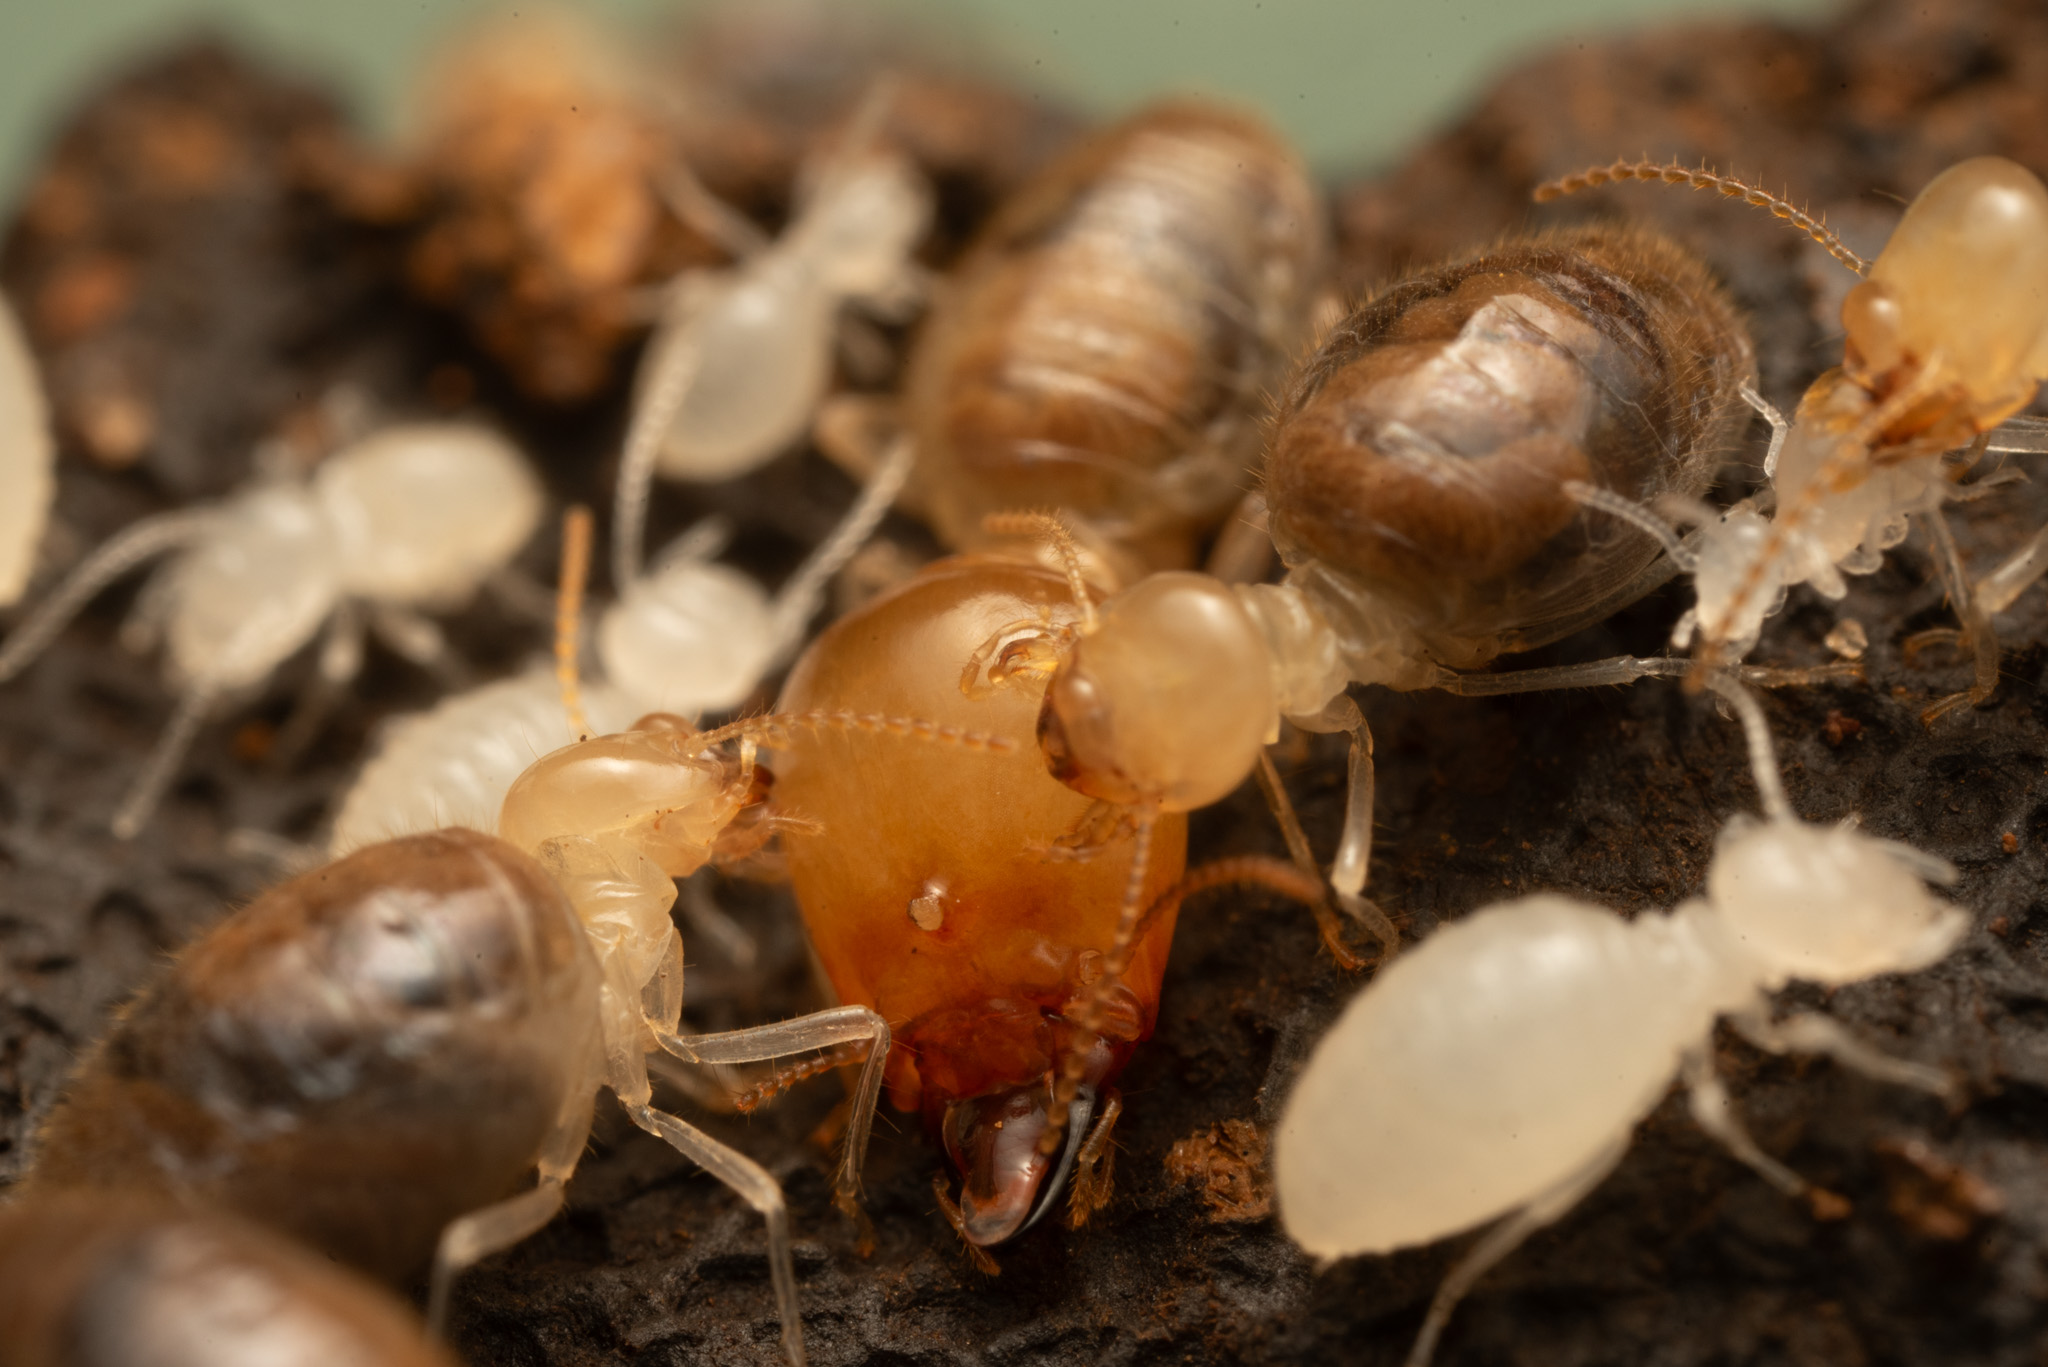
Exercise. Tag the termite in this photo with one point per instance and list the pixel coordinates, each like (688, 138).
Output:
(375, 1052)
(1108, 342)
(1947, 337)
(414, 516)
(1496, 1072)
(941, 889)
(1416, 476)
(742, 357)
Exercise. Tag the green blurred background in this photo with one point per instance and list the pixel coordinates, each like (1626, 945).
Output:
(1353, 80)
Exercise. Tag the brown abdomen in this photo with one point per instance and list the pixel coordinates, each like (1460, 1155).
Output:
(356, 1058)
(1423, 451)
(1108, 345)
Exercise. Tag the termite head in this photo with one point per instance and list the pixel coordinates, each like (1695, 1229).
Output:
(1830, 904)
(1963, 279)
(866, 215)
(654, 784)
(1167, 701)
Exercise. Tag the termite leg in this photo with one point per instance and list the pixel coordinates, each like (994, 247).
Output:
(1095, 1164)
(757, 1188)
(1780, 428)
(1354, 849)
(1503, 1239)
(1812, 1033)
(1714, 1113)
(1328, 928)
(476, 1236)
(1976, 631)
(819, 1030)
(340, 660)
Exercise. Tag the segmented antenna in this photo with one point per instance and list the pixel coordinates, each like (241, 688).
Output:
(1703, 178)
(569, 611)
(1053, 528)
(781, 727)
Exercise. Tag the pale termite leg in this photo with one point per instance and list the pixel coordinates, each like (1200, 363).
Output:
(1328, 928)
(1781, 426)
(1503, 1239)
(757, 1188)
(1977, 631)
(1812, 1033)
(339, 661)
(134, 544)
(819, 1030)
(1354, 849)
(481, 1233)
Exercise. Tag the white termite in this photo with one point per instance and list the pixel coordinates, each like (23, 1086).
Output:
(691, 636)
(1947, 336)
(414, 516)
(1496, 1072)
(742, 357)
(27, 458)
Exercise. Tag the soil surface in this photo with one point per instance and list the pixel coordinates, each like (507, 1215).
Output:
(231, 296)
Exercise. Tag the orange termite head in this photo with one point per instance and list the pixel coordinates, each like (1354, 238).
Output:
(1166, 702)
(1964, 279)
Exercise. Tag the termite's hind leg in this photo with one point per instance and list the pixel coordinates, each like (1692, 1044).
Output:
(477, 1235)
(757, 1188)
(1504, 1238)
(1714, 1113)
(1976, 631)
(339, 662)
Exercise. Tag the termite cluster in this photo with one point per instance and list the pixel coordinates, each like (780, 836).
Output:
(1116, 401)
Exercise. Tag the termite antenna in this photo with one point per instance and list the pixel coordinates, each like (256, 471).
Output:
(1703, 178)
(1763, 756)
(1053, 528)
(1256, 870)
(139, 542)
(779, 727)
(569, 614)
(1089, 1016)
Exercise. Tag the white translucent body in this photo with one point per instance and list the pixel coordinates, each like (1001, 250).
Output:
(760, 344)
(414, 516)
(1953, 318)
(742, 357)
(451, 766)
(758, 339)
(27, 458)
(1505, 1054)
(693, 635)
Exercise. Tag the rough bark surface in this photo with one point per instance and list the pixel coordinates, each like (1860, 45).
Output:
(1682, 1257)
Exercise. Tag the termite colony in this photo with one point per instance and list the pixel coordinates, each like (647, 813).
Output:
(1090, 365)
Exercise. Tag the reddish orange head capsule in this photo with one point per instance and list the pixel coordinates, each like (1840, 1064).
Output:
(934, 888)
